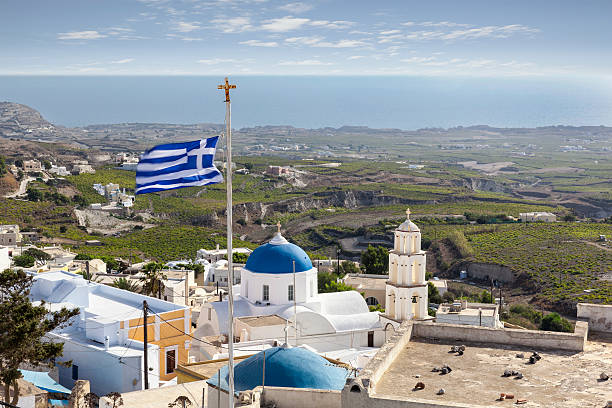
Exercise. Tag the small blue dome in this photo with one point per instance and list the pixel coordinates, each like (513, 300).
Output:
(275, 258)
(285, 367)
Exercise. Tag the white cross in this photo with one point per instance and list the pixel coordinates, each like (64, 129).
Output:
(199, 152)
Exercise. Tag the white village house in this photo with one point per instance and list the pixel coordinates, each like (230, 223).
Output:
(104, 342)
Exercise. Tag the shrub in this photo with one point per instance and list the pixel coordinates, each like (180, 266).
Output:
(24, 261)
(554, 322)
(448, 297)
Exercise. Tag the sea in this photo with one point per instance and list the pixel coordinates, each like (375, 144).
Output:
(403, 102)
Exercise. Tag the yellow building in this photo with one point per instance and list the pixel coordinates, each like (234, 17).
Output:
(166, 330)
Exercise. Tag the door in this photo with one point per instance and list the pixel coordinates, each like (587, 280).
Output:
(371, 339)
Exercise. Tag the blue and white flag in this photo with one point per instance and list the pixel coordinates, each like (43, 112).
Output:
(177, 165)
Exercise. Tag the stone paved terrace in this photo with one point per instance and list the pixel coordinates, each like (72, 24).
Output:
(559, 379)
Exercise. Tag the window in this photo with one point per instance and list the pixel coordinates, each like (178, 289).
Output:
(171, 360)
(290, 294)
(75, 372)
(209, 313)
(266, 293)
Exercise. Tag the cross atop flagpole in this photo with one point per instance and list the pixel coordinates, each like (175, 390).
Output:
(230, 255)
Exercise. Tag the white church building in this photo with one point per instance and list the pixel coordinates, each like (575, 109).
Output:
(279, 280)
(406, 290)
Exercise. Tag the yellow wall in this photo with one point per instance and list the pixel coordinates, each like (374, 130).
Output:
(168, 336)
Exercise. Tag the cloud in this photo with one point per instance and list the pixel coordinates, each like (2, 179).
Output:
(439, 32)
(123, 61)
(186, 27)
(233, 25)
(296, 8)
(215, 61)
(355, 57)
(319, 42)
(81, 35)
(308, 62)
(284, 24)
(338, 24)
(257, 43)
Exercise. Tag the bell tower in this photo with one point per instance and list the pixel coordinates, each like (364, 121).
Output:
(406, 289)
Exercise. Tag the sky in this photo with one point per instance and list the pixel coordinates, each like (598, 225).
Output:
(488, 38)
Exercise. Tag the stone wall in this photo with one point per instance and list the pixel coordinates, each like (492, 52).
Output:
(487, 272)
(599, 316)
(511, 337)
(300, 398)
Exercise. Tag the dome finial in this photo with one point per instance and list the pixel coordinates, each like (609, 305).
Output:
(407, 213)
(278, 239)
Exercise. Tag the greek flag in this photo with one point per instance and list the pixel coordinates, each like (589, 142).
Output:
(177, 165)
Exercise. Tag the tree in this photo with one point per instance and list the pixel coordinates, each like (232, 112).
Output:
(348, 267)
(126, 284)
(328, 282)
(111, 263)
(91, 400)
(180, 402)
(38, 254)
(486, 297)
(375, 260)
(24, 261)
(238, 257)
(569, 217)
(196, 268)
(46, 164)
(82, 257)
(432, 294)
(153, 281)
(2, 166)
(115, 398)
(33, 194)
(554, 322)
(23, 328)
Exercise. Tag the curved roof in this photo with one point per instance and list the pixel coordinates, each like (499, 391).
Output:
(408, 225)
(285, 367)
(276, 257)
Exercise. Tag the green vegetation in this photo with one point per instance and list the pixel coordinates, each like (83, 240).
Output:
(461, 244)
(432, 294)
(3, 168)
(24, 328)
(153, 281)
(554, 322)
(523, 315)
(375, 260)
(330, 282)
(24, 261)
(126, 284)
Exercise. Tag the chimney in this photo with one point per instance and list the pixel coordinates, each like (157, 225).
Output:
(106, 343)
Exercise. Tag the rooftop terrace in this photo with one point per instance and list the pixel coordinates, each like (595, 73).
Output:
(560, 379)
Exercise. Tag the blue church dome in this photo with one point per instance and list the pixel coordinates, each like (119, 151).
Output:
(276, 257)
(285, 367)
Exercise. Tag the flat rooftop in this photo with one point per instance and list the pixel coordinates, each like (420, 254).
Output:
(467, 312)
(559, 379)
(261, 321)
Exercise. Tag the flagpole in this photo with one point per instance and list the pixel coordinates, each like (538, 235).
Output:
(230, 267)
